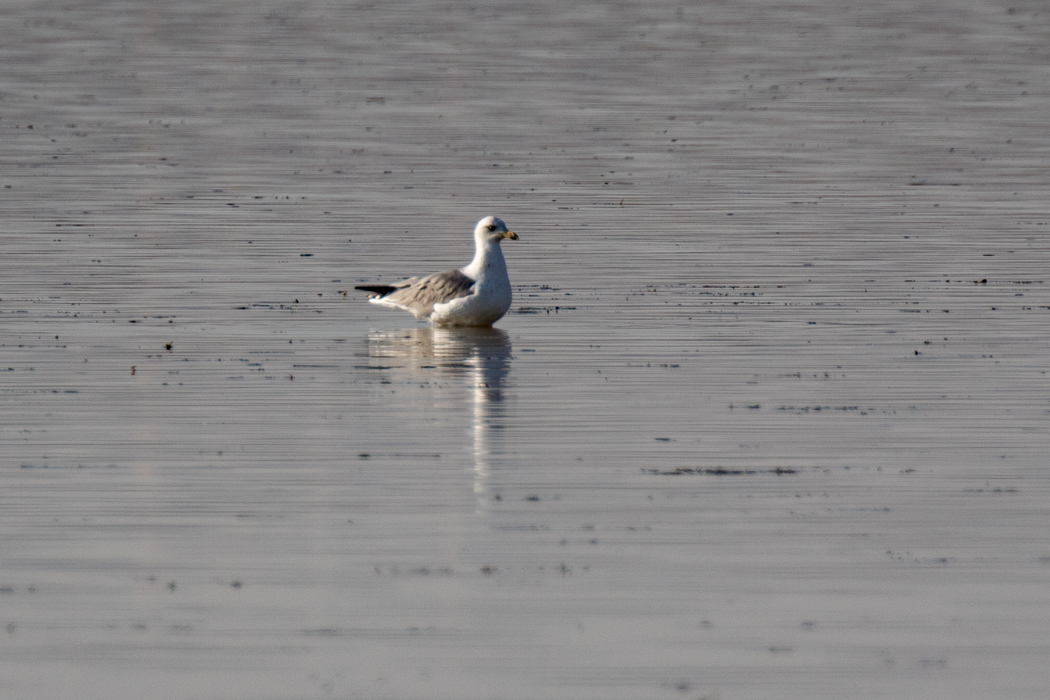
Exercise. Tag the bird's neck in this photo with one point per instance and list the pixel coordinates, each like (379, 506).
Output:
(488, 261)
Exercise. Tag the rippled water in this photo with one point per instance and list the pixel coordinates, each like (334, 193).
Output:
(768, 419)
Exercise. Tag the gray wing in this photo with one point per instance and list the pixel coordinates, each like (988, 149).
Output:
(420, 294)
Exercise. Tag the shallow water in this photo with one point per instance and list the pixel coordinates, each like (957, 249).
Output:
(768, 418)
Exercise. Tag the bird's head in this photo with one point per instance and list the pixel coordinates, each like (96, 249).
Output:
(493, 229)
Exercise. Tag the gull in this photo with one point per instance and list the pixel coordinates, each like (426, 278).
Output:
(476, 295)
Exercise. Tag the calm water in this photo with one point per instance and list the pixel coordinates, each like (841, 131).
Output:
(769, 417)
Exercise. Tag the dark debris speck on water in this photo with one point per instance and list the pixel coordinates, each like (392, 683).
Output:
(719, 471)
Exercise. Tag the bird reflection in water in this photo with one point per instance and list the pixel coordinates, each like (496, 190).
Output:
(481, 356)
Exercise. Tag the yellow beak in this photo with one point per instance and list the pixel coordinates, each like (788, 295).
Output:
(511, 235)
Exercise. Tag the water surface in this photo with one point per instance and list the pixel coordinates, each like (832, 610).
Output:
(768, 418)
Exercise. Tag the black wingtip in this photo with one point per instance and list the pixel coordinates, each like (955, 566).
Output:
(380, 289)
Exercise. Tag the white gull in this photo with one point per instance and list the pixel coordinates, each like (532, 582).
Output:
(476, 295)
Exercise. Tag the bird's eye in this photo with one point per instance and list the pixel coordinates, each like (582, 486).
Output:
(492, 227)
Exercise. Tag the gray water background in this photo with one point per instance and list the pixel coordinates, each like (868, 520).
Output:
(768, 418)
